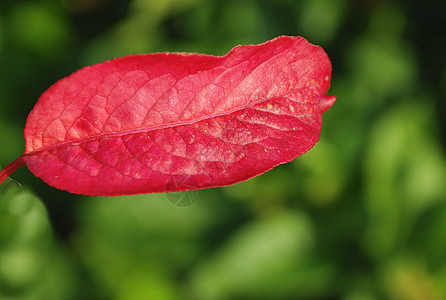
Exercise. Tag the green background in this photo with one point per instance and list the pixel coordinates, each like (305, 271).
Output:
(361, 216)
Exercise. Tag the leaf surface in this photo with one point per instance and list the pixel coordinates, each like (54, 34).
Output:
(176, 121)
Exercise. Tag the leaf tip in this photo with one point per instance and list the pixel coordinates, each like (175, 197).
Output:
(327, 101)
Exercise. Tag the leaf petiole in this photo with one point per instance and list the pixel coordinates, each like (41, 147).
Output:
(9, 169)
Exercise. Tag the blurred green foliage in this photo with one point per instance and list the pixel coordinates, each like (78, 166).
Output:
(361, 216)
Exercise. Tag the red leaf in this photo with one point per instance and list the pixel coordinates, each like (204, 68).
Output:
(175, 121)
